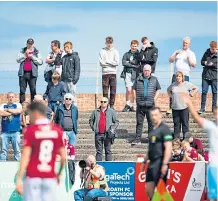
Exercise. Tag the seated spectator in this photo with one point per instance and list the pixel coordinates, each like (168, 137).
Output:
(10, 125)
(190, 153)
(67, 117)
(177, 142)
(179, 108)
(178, 153)
(25, 120)
(55, 92)
(195, 143)
(50, 114)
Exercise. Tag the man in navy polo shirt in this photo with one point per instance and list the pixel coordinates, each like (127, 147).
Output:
(10, 113)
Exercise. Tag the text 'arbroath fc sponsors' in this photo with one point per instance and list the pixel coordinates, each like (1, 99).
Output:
(120, 180)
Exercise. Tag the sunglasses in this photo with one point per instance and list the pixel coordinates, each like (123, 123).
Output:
(68, 99)
(103, 101)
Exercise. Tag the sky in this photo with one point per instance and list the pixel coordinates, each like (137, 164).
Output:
(87, 24)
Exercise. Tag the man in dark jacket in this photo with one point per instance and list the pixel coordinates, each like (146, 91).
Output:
(70, 68)
(209, 75)
(29, 59)
(149, 54)
(147, 90)
(103, 121)
(131, 62)
(67, 117)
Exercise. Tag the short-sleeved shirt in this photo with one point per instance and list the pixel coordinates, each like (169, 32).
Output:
(181, 61)
(177, 102)
(45, 141)
(157, 138)
(212, 130)
(193, 154)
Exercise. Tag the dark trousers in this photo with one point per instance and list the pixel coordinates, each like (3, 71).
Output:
(100, 142)
(109, 81)
(180, 118)
(173, 80)
(205, 87)
(141, 112)
(27, 78)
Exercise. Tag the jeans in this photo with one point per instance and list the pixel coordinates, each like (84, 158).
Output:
(53, 105)
(14, 138)
(72, 137)
(23, 80)
(100, 141)
(173, 80)
(205, 87)
(180, 118)
(140, 116)
(109, 81)
(88, 195)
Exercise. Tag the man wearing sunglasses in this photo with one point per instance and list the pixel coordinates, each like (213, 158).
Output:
(103, 121)
(67, 116)
(29, 59)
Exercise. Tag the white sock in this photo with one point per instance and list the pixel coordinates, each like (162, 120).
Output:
(131, 104)
(128, 103)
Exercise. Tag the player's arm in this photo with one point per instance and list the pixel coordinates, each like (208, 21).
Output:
(25, 158)
(62, 154)
(188, 102)
(167, 139)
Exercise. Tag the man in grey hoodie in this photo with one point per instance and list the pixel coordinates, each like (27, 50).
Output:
(109, 60)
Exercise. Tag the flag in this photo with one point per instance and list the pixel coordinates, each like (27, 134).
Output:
(161, 193)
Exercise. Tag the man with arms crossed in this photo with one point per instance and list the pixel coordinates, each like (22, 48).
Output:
(42, 142)
(212, 130)
(159, 152)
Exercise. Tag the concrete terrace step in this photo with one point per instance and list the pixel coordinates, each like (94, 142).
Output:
(126, 125)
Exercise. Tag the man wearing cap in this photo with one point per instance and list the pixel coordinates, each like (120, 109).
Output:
(67, 116)
(29, 59)
(103, 121)
(195, 143)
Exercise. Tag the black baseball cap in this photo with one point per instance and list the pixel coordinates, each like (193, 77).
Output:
(30, 41)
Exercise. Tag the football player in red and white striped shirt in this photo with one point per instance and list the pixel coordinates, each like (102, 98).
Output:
(42, 142)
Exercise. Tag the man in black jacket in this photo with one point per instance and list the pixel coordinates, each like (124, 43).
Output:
(131, 62)
(209, 75)
(70, 68)
(149, 54)
(147, 90)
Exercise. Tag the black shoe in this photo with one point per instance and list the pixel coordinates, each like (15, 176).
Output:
(136, 142)
(201, 111)
(132, 109)
(126, 108)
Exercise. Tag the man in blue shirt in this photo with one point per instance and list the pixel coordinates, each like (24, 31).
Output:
(10, 113)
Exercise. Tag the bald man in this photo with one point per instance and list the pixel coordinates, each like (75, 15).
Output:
(147, 90)
(103, 121)
(38, 98)
(95, 183)
(184, 59)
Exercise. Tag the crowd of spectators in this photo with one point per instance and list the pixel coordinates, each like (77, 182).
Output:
(62, 73)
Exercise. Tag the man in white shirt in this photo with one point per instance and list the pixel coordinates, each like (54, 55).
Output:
(184, 59)
(212, 130)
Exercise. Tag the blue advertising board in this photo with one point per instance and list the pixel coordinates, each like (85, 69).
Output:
(121, 179)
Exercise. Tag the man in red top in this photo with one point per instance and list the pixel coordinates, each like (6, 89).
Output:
(190, 153)
(103, 121)
(42, 142)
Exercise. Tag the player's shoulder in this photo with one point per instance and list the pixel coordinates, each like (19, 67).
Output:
(31, 128)
(164, 127)
(56, 127)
